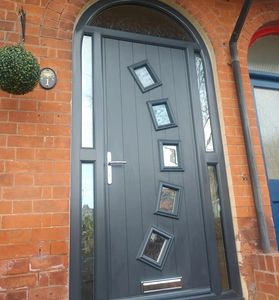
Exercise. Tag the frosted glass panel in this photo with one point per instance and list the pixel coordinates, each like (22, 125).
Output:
(267, 103)
(87, 234)
(144, 77)
(87, 93)
(161, 114)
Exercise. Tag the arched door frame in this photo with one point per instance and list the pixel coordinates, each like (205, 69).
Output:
(206, 158)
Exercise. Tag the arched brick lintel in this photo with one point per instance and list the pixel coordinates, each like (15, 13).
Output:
(59, 18)
(260, 16)
(264, 31)
(258, 20)
(61, 15)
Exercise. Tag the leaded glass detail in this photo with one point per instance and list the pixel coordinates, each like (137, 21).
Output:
(140, 19)
(209, 146)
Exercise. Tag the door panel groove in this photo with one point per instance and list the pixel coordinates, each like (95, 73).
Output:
(132, 196)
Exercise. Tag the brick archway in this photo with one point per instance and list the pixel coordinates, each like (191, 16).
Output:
(35, 142)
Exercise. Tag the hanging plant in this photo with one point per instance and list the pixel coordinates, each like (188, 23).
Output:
(19, 69)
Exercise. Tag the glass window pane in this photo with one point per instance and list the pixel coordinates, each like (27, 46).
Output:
(155, 246)
(167, 199)
(216, 206)
(130, 18)
(267, 103)
(170, 156)
(204, 104)
(87, 93)
(87, 235)
(161, 114)
(144, 77)
(263, 55)
(170, 159)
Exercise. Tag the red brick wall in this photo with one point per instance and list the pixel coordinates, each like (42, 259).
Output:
(267, 276)
(35, 134)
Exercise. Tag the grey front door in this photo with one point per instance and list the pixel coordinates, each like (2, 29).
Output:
(150, 229)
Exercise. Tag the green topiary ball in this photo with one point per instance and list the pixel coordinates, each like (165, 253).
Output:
(19, 70)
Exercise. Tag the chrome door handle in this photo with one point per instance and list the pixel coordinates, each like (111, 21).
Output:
(112, 163)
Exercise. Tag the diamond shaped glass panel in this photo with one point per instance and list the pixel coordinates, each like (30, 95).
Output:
(144, 76)
(155, 247)
(168, 200)
(161, 114)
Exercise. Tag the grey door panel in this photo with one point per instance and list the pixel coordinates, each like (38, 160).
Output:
(131, 199)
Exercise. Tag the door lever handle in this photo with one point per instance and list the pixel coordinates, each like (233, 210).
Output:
(112, 163)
